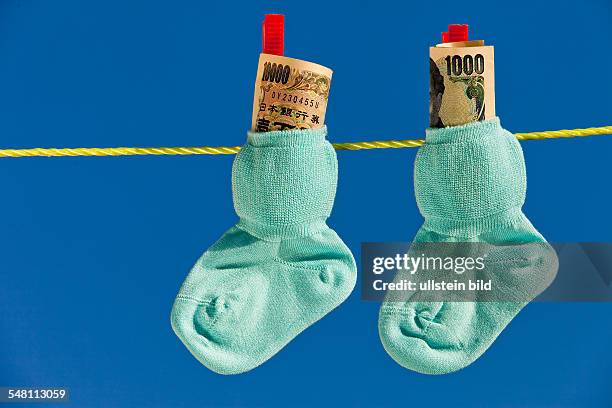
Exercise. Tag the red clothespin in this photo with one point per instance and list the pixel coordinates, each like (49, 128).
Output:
(455, 33)
(274, 34)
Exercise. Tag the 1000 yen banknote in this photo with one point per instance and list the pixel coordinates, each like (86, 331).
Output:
(289, 94)
(461, 84)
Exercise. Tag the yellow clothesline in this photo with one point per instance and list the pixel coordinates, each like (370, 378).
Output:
(379, 144)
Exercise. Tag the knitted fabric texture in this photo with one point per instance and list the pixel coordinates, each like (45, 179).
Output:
(280, 268)
(470, 185)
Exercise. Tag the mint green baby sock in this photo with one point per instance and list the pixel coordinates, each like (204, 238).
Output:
(470, 185)
(280, 268)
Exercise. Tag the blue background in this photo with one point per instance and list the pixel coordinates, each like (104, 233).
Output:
(93, 250)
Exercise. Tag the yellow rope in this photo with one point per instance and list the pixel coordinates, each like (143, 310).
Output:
(381, 144)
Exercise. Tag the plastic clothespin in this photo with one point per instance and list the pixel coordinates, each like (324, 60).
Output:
(273, 41)
(455, 33)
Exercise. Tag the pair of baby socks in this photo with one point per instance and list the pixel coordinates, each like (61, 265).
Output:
(281, 268)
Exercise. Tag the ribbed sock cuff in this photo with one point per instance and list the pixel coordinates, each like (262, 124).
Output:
(470, 132)
(470, 178)
(289, 138)
(284, 183)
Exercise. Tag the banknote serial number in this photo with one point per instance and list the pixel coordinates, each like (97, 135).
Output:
(277, 73)
(285, 97)
(30, 394)
(467, 65)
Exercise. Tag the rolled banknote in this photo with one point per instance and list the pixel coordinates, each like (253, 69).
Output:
(289, 94)
(461, 83)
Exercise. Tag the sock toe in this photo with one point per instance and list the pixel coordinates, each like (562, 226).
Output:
(217, 327)
(417, 337)
(199, 346)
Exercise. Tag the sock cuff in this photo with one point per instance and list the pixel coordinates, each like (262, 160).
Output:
(284, 182)
(471, 175)
(471, 132)
(288, 138)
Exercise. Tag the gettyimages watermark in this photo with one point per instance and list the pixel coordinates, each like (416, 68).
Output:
(474, 271)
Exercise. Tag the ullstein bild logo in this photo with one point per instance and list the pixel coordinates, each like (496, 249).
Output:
(472, 271)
